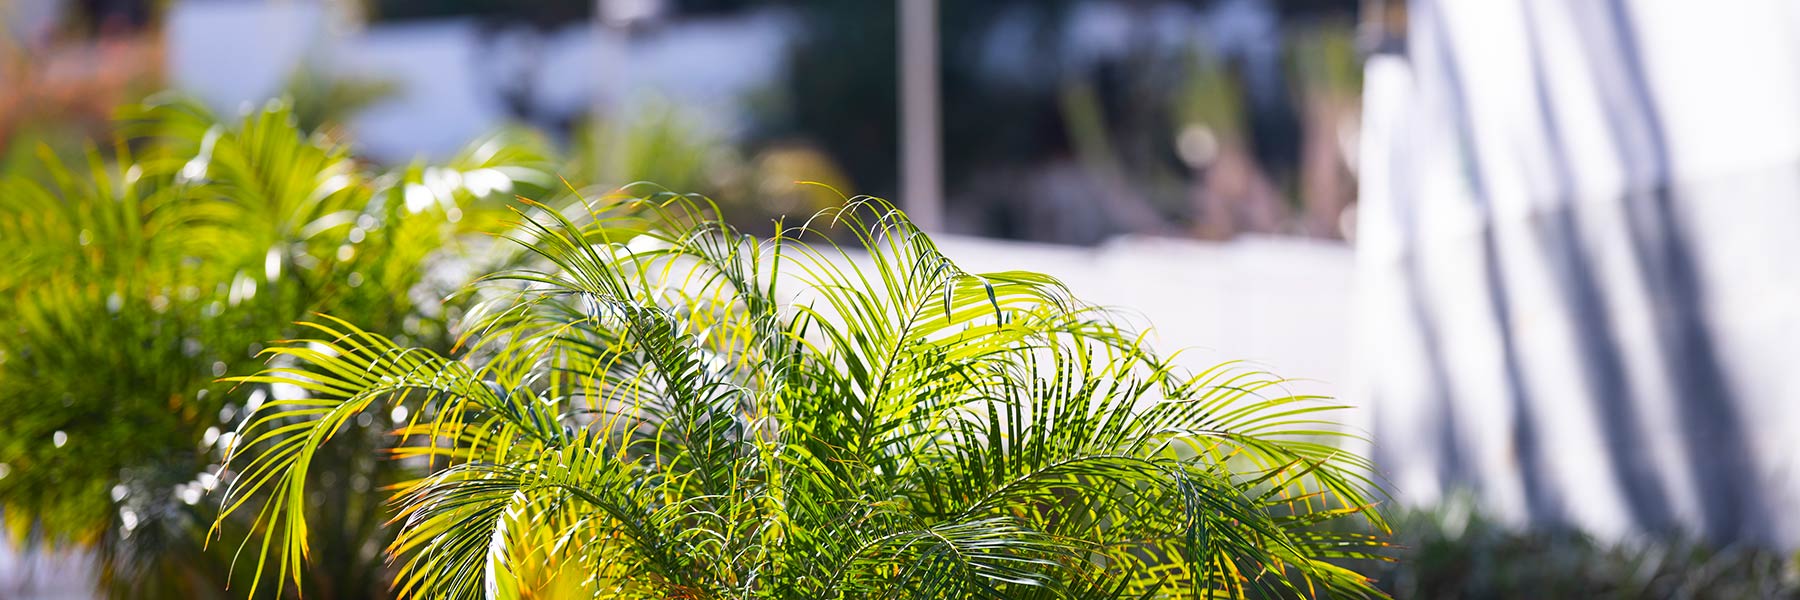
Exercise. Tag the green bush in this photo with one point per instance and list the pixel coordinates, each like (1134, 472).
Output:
(136, 280)
(661, 407)
(1454, 551)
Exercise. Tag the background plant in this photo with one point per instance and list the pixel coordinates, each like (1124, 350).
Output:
(661, 407)
(1456, 551)
(140, 275)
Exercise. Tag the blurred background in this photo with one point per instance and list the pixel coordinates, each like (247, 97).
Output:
(1542, 246)
(1064, 122)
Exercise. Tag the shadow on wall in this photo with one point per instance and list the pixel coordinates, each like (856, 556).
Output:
(1598, 327)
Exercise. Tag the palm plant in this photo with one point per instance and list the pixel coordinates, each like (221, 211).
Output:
(134, 281)
(662, 407)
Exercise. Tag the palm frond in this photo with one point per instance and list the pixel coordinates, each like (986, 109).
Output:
(138, 274)
(682, 410)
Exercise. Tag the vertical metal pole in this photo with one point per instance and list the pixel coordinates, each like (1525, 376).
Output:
(597, 114)
(611, 81)
(921, 179)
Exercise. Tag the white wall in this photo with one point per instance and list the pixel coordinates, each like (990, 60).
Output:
(1283, 304)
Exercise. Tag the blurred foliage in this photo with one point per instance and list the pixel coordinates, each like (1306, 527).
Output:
(1326, 62)
(1454, 551)
(666, 144)
(841, 90)
(321, 100)
(23, 152)
(136, 278)
(1206, 97)
(658, 143)
(1020, 98)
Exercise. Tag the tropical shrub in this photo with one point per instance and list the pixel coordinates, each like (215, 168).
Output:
(1454, 550)
(662, 407)
(134, 281)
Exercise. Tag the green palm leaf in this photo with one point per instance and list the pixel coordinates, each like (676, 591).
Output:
(138, 275)
(675, 409)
